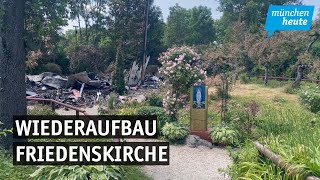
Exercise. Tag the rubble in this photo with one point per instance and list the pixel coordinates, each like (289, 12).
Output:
(29, 93)
(78, 90)
(84, 78)
(151, 82)
(56, 82)
(83, 89)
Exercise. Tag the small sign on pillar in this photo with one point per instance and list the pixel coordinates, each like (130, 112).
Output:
(199, 108)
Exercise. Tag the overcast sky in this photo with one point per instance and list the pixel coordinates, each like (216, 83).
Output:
(213, 4)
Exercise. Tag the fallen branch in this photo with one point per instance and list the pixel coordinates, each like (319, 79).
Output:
(276, 159)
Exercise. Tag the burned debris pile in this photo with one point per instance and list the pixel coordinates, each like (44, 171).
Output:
(83, 89)
(80, 90)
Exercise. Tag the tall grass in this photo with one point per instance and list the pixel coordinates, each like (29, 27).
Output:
(289, 130)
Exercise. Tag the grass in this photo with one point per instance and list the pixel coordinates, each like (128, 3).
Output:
(41, 110)
(10, 172)
(286, 127)
(257, 92)
(135, 173)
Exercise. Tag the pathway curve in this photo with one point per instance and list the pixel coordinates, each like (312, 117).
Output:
(188, 163)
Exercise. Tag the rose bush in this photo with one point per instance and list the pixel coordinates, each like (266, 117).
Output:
(181, 68)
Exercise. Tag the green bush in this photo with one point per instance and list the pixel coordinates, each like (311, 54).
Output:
(41, 110)
(213, 118)
(244, 79)
(86, 58)
(64, 63)
(310, 97)
(184, 117)
(224, 135)
(241, 116)
(174, 132)
(52, 67)
(154, 99)
(78, 172)
(127, 111)
(290, 90)
(118, 77)
(161, 114)
(111, 101)
(9, 171)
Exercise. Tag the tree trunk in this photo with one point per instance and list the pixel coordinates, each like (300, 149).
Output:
(87, 35)
(80, 32)
(143, 73)
(316, 37)
(290, 170)
(96, 39)
(297, 82)
(266, 78)
(12, 68)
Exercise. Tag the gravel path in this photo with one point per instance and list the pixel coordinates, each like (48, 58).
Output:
(188, 163)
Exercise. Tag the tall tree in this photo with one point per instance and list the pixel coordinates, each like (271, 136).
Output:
(98, 12)
(277, 52)
(201, 26)
(43, 22)
(75, 8)
(252, 12)
(44, 19)
(12, 60)
(177, 29)
(156, 28)
(189, 26)
(126, 28)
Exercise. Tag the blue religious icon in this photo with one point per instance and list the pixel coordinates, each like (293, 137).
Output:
(199, 96)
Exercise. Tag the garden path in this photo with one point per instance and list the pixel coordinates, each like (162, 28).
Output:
(185, 162)
(191, 163)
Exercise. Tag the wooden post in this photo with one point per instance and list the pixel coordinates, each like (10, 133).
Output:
(77, 114)
(53, 108)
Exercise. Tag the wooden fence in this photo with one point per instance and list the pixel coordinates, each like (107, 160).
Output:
(288, 79)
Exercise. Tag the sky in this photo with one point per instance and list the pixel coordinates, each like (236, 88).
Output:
(213, 4)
